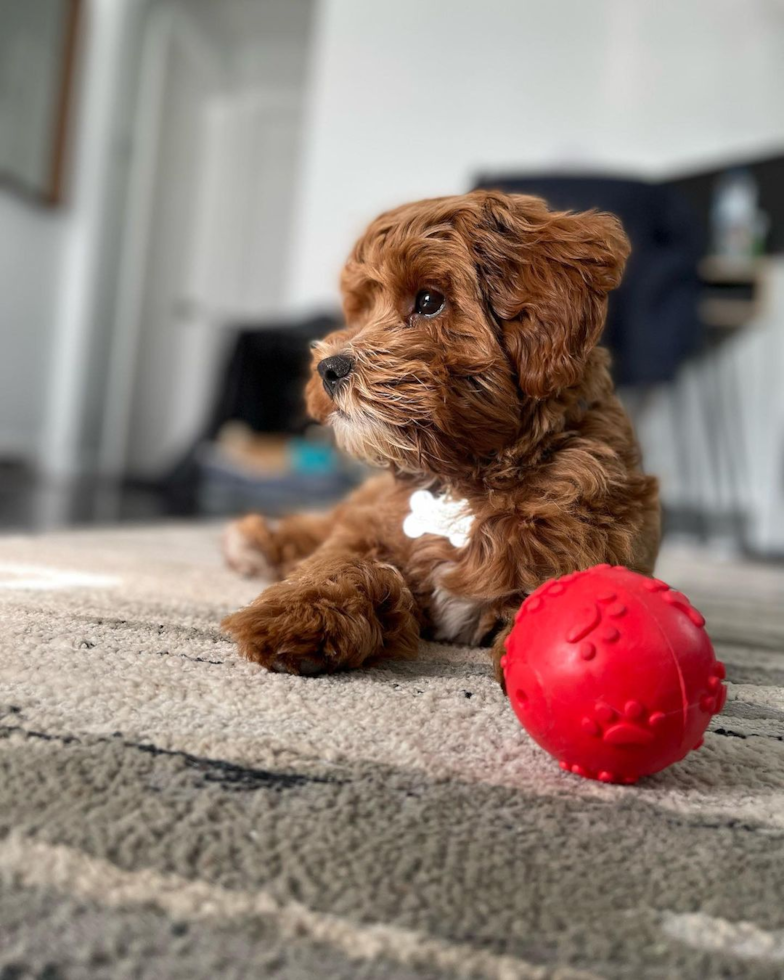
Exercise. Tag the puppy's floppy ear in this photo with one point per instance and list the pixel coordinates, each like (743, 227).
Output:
(546, 276)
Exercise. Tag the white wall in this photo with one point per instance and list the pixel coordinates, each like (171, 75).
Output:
(30, 250)
(414, 98)
(190, 77)
(53, 262)
(75, 362)
(62, 395)
(251, 154)
(223, 166)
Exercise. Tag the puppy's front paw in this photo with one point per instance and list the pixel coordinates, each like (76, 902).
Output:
(339, 619)
(290, 638)
(249, 548)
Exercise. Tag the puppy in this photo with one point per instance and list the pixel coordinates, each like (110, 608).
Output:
(469, 371)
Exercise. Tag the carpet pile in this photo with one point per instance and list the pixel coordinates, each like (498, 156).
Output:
(170, 811)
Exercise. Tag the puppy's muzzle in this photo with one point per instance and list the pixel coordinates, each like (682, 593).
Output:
(333, 370)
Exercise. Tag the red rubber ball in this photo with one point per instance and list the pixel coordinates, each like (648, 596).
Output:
(612, 673)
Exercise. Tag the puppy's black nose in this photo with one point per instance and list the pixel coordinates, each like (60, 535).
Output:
(333, 370)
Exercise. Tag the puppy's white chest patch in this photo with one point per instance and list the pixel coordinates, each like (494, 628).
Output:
(444, 516)
(454, 618)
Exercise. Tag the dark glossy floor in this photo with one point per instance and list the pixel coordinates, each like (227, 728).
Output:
(29, 504)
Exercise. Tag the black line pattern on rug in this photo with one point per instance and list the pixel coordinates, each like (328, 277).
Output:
(89, 645)
(229, 775)
(729, 733)
(730, 823)
(115, 623)
(182, 656)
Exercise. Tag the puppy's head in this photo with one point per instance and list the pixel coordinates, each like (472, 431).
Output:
(461, 311)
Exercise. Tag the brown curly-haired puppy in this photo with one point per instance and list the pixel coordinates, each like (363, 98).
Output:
(469, 370)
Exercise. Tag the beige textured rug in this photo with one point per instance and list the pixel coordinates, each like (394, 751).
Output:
(169, 811)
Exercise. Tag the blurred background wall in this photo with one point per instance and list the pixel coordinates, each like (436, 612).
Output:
(414, 99)
(221, 156)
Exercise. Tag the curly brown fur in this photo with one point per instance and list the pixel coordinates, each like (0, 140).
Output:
(254, 546)
(501, 399)
(335, 613)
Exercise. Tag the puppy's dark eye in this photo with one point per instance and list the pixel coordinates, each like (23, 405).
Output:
(428, 302)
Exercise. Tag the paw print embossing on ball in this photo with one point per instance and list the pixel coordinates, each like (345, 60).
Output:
(632, 725)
